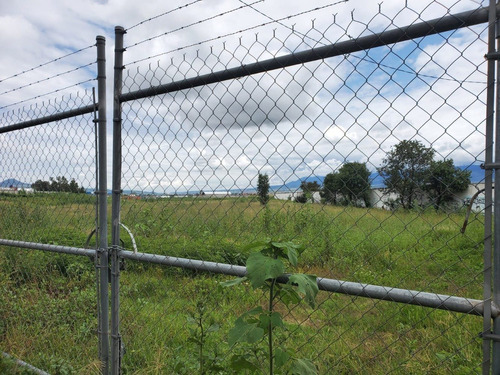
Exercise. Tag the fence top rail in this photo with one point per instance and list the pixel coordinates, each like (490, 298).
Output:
(417, 30)
(47, 119)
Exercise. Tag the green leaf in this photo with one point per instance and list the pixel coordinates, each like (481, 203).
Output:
(213, 328)
(257, 246)
(303, 367)
(255, 311)
(232, 282)
(245, 332)
(275, 320)
(281, 357)
(194, 340)
(289, 295)
(307, 285)
(261, 268)
(240, 362)
(290, 249)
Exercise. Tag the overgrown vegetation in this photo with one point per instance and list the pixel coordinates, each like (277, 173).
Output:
(178, 322)
(265, 266)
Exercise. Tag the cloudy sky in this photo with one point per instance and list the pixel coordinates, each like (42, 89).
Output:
(292, 123)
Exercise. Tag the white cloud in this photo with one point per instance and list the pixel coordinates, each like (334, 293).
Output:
(289, 123)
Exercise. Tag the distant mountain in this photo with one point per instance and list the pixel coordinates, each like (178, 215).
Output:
(14, 183)
(294, 185)
(477, 175)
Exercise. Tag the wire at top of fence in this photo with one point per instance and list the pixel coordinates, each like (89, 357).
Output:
(47, 63)
(192, 24)
(279, 21)
(162, 14)
(234, 32)
(48, 93)
(48, 78)
(412, 71)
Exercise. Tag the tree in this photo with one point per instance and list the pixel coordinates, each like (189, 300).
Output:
(308, 188)
(40, 185)
(331, 188)
(74, 188)
(263, 188)
(405, 169)
(59, 184)
(302, 198)
(354, 183)
(444, 180)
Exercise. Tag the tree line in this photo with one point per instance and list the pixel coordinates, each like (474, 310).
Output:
(408, 170)
(58, 184)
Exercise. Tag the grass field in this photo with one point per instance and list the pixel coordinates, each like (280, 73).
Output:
(48, 301)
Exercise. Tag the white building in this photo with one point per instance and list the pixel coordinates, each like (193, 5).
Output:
(380, 198)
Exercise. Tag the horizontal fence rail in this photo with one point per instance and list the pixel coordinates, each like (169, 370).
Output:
(52, 118)
(23, 364)
(411, 297)
(418, 30)
(49, 248)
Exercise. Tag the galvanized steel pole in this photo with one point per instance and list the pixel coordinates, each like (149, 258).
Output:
(386, 293)
(102, 200)
(490, 108)
(115, 204)
(496, 206)
(51, 248)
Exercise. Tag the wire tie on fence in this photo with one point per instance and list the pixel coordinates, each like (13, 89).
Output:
(102, 250)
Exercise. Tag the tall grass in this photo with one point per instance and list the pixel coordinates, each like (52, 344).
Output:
(47, 301)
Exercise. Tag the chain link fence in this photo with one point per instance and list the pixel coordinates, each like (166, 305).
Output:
(48, 213)
(358, 135)
(364, 128)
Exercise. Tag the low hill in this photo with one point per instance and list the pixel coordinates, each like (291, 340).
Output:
(11, 182)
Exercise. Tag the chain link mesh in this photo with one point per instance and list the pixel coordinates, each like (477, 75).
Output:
(48, 301)
(191, 161)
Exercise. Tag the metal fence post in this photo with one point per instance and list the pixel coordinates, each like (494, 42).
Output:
(102, 199)
(115, 204)
(496, 206)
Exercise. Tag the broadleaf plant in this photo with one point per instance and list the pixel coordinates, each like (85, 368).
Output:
(266, 266)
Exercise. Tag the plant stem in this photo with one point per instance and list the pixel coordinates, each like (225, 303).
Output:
(201, 345)
(270, 327)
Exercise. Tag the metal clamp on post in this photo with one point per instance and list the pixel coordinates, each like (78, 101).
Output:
(492, 56)
(489, 166)
(489, 336)
(100, 252)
